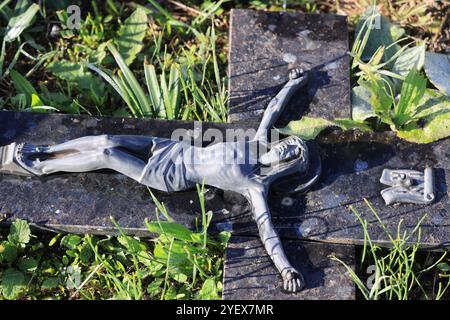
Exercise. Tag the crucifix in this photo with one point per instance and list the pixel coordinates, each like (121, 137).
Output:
(170, 165)
(263, 47)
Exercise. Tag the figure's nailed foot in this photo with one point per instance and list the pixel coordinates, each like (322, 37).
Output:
(292, 280)
(23, 155)
(296, 73)
(29, 149)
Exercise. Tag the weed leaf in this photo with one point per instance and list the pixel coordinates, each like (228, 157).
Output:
(19, 233)
(435, 127)
(361, 107)
(382, 33)
(437, 68)
(13, 283)
(131, 35)
(308, 128)
(22, 19)
(171, 229)
(410, 58)
(413, 89)
(209, 290)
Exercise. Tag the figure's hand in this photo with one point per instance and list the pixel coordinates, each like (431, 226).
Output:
(298, 77)
(292, 280)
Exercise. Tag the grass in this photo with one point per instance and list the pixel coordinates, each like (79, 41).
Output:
(177, 264)
(394, 85)
(144, 59)
(400, 272)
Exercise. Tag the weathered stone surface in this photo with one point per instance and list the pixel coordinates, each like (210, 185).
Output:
(84, 202)
(262, 44)
(249, 273)
(265, 45)
(352, 167)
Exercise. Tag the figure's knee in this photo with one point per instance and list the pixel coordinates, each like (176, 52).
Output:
(104, 140)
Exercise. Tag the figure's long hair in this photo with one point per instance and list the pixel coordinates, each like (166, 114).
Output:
(299, 164)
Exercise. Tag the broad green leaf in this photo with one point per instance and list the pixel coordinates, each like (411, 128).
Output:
(180, 277)
(13, 283)
(224, 237)
(381, 99)
(27, 265)
(432, 102)
(437, 68)
(50, 283)
(361, 107)
(23, 15)
(8, 252)
(382, 33)
(413, 89)
(171, 293)
(19, 232)
(435, 127)
(71, 241)
(411, 58)
(131, 244)
(308, 128)
(76, 73)
(36, 101)
(23, 86)
(131, 35)
(444, 267)
(348, 124)
(209, 290)
(154, 288)
(172, 229)
(85, 253)
(178, 260)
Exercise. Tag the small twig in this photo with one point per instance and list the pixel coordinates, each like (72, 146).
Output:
(185, 7)
(86, 280)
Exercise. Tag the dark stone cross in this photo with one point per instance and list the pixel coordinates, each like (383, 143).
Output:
(264, 46)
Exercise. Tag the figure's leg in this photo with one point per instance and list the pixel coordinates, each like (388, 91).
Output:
(77, 162)
(110, 158)
(138, 144)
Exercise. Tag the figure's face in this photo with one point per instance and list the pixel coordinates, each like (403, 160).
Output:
(284, 151)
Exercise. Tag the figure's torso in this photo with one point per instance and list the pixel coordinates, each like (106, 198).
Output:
(228, 165)
(176, 165)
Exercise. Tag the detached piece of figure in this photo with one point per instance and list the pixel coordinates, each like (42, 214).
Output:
(168, 165)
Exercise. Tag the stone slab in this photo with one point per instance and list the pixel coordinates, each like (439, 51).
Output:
(352, 166)
(83, 203)
(265, 45)
(250, 274)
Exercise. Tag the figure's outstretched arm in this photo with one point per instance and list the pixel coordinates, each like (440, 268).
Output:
(292, 279)
(297, 79)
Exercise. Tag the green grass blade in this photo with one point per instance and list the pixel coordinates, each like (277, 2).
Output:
(118, 86)
(22, 19)
(144, 103)
(153, 88)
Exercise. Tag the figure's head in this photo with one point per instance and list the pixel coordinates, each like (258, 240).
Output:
(287, 156)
